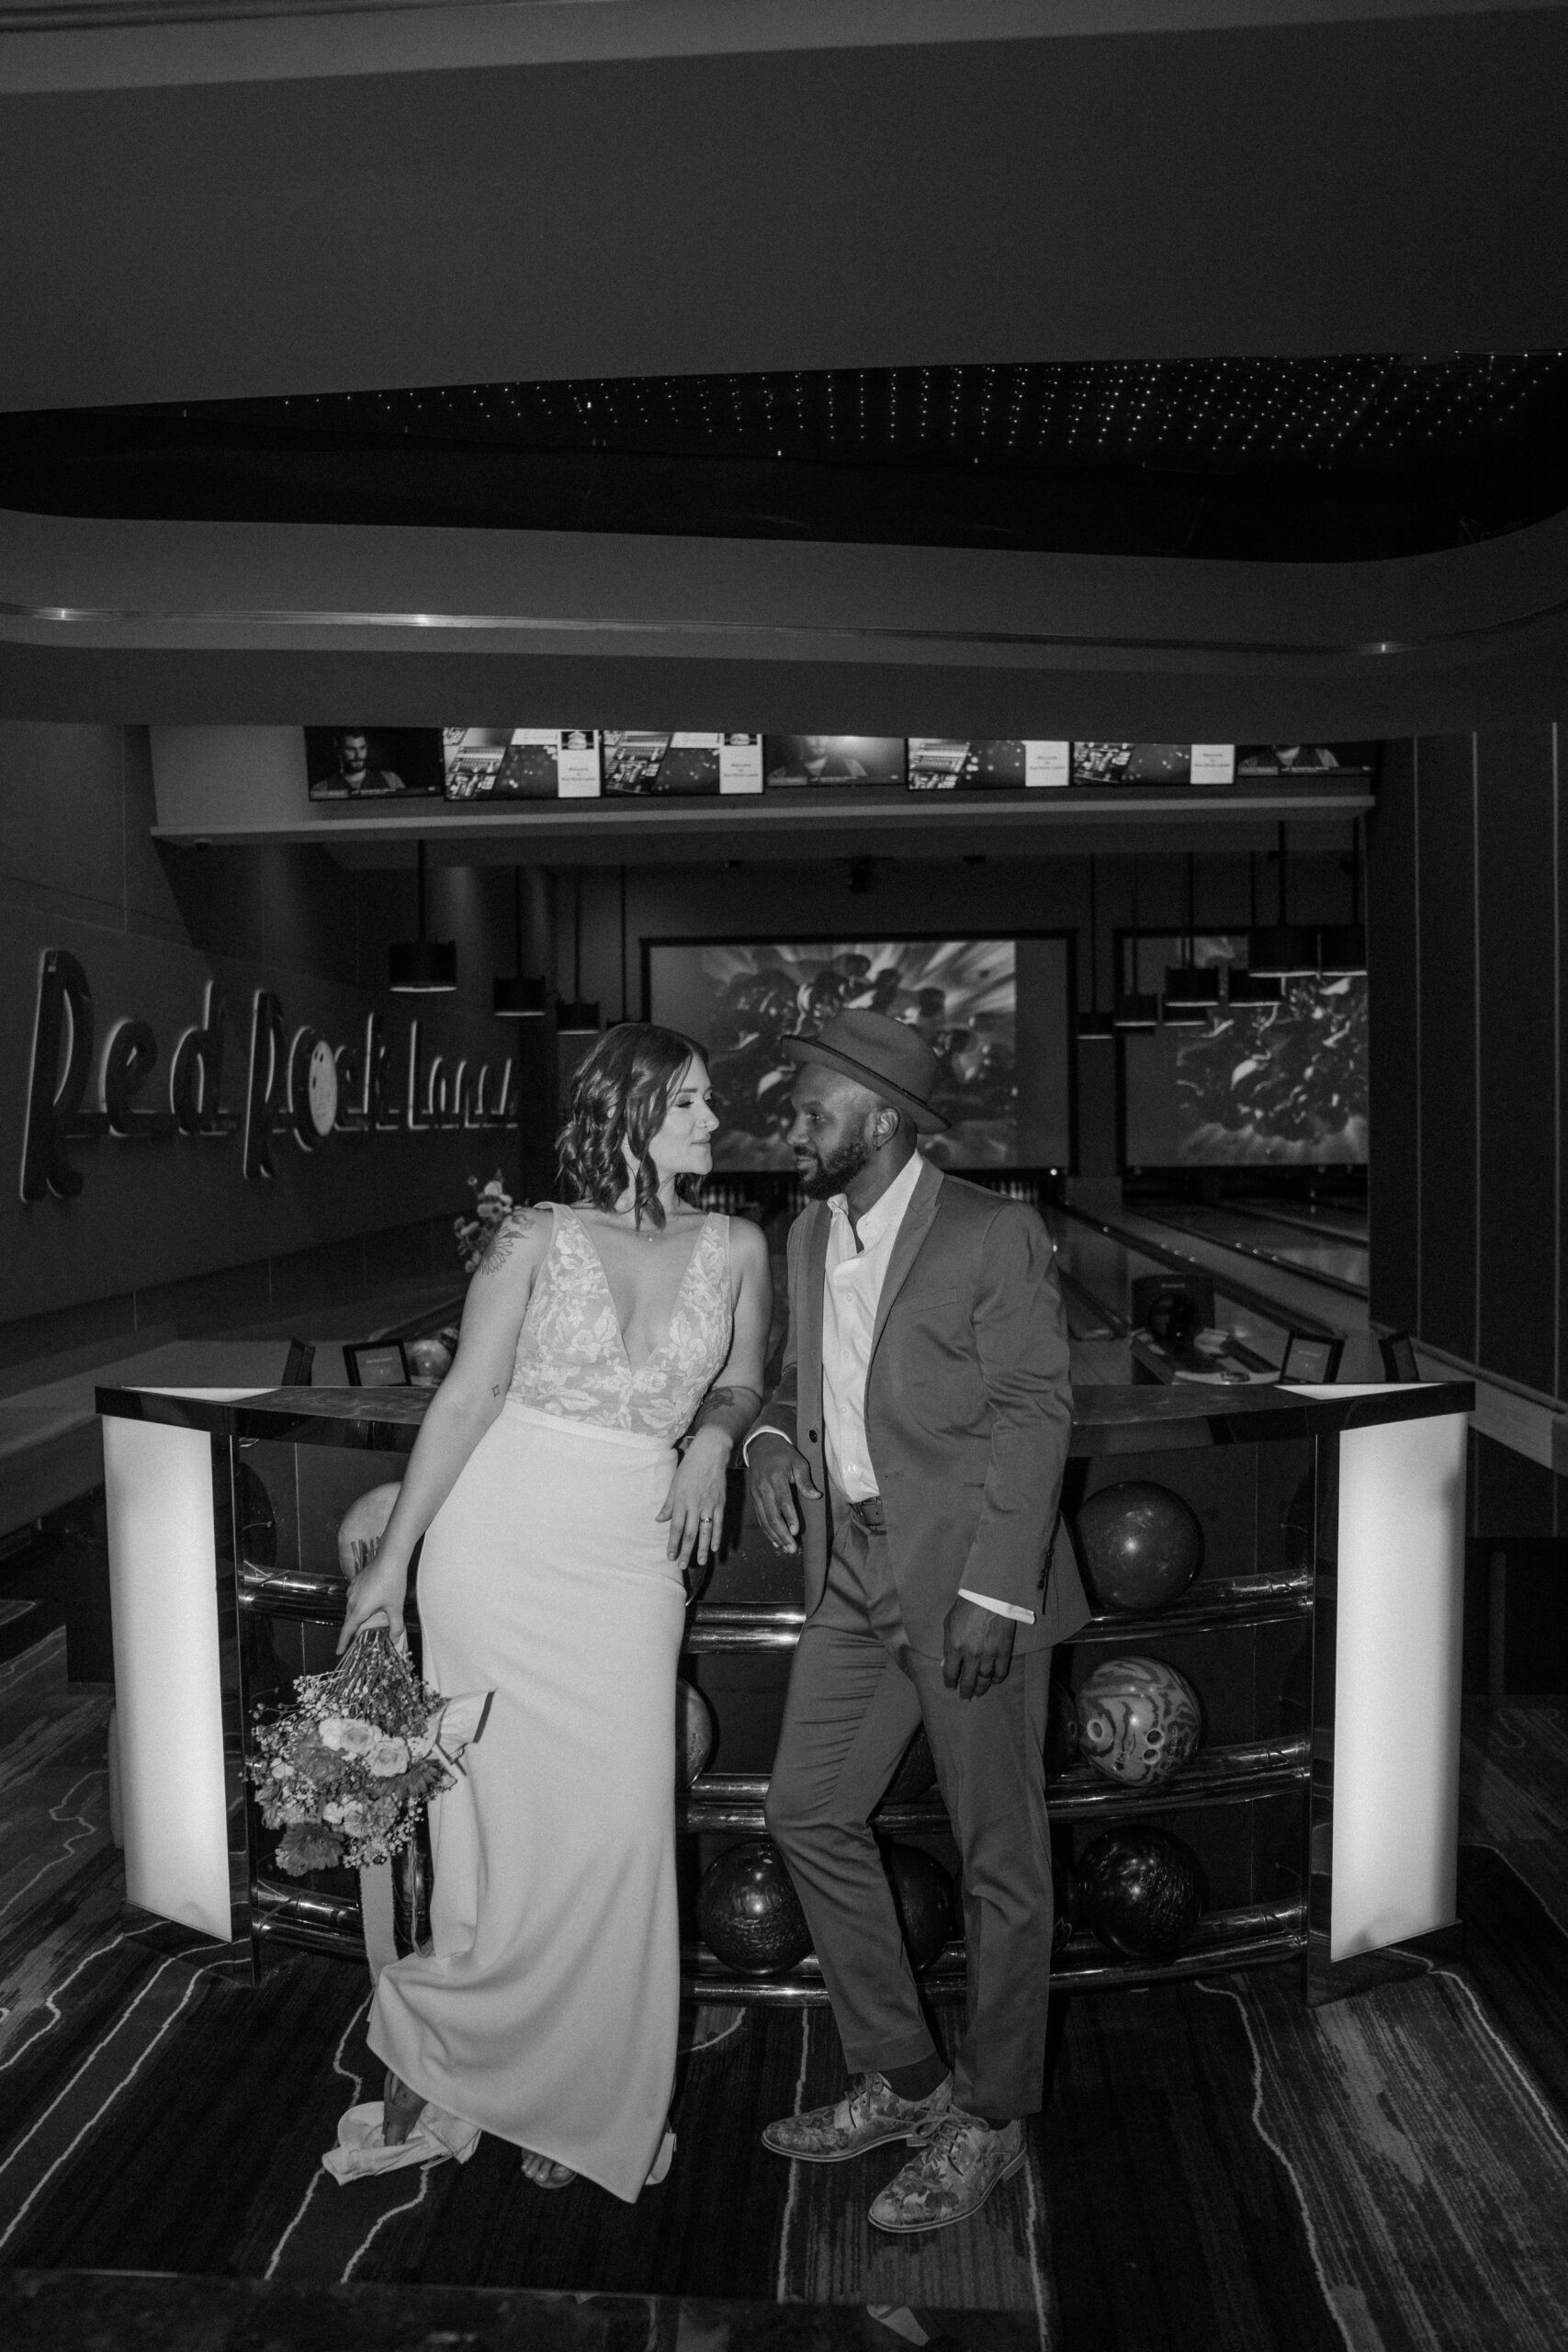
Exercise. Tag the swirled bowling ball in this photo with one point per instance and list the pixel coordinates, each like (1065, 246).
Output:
(749, 1913)
(1142, 1891)
(1140, 1545)
(924, 1899)
(915, 1776)
(1139, 1721)
(693, 1733)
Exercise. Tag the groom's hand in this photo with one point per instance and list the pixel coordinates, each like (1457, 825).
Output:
(775, 1472)
(977, 1648)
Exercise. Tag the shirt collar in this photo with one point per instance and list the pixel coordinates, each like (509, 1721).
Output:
(887, 1213)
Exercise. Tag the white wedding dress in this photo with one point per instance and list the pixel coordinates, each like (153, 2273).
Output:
(546, 2009)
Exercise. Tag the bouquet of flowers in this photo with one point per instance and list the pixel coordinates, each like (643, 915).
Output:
(492, 1205)
(347, 1770)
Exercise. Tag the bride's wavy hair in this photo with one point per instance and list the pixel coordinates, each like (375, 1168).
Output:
(620, 1094)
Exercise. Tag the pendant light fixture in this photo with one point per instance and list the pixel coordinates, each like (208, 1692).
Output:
(1094, 1026)
(1135, 1007)
(521, 997)
(422, 967)
(577, 1016)
(1342, 946)
(1243, 985)
(1192, 991)
(1283, 951)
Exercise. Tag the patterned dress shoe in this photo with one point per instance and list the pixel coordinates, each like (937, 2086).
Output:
(872, 2113)
(959, 2164)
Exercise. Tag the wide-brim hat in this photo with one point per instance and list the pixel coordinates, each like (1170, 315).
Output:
(889, 1057)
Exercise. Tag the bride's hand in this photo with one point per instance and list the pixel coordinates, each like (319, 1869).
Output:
(378, 1590)
(364, 1524)
(695, 1505)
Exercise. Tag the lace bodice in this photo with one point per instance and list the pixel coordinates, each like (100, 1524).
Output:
(572, 1361)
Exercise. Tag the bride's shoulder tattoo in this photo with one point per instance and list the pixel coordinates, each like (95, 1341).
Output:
(505, 1238)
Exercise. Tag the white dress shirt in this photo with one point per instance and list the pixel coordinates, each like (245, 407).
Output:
(852, 1293)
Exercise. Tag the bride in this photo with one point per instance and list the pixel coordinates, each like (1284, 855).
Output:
(558, 1524)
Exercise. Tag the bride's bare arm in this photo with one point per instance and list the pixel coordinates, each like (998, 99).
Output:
(695, 1505)
(461, 1412)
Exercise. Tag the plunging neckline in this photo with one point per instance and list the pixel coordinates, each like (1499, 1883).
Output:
(587, 1232)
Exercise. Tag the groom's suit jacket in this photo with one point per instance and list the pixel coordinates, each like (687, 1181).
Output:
(967, 1409)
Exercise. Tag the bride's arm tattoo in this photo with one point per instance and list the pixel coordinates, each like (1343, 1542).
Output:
(504, 1239)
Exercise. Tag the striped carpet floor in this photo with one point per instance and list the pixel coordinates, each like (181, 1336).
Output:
(1218, 2167)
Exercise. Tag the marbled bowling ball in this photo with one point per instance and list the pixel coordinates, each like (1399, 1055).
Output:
(1139, 1721)
(694, 1734)
(1139, 1544)
(915, 1776)
(924, 1899)
(749, 1913)
(1142, 1891)
(429, 1362)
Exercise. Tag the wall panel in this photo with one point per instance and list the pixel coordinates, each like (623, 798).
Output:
(1446, 1047)
(1393, 996)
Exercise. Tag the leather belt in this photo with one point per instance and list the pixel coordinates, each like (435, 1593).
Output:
(869, 1514)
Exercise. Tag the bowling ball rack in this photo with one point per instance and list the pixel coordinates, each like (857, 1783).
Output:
(1257, 1635)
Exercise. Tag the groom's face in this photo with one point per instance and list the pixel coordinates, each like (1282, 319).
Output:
(831, 1139)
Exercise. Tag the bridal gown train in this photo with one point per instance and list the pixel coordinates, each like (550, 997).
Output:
(546, 2008)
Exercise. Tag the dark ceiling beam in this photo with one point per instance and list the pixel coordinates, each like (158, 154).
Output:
(1315, 188)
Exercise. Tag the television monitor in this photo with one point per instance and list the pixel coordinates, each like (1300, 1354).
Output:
(833, 759)
(1132, 763)
(1255, 1085)
(1398, 1353)
(520, 763)
(1274, 760)
(373, 763)
(379, 1365)
(946, 764)
(997, 1012)
(644, 763)
(1311, 1362)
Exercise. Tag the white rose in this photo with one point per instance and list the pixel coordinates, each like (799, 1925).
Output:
(388, 1756)
(281, 1768)
(348, 1735)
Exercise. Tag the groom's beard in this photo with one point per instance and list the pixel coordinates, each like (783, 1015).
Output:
(820, 1179)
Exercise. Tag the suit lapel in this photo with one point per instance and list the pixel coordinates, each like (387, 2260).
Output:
(813, 1263)
(906, 1248)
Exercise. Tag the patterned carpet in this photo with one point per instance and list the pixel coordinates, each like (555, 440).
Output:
(1218, 2166)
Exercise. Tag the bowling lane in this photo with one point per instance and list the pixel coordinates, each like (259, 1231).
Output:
(1298, 1297)
(1106, 1269)
(1330, 1258)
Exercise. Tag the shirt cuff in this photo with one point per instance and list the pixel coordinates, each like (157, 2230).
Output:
(999, 1608)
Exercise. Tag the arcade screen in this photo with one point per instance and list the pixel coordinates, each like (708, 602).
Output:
(833, 759)
(998, 1013)
(1263, 1085)
(372, 762)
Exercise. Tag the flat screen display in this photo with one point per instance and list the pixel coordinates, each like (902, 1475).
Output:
(996, 1012)
(1132, 763)
(1305, 759)
(669, 763)
(833, 759)
(946, 764)
(521, 762)
(372, 762)
(1263, 1085)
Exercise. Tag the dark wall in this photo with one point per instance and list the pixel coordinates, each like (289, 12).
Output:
(1466, 903)
(167, 1232)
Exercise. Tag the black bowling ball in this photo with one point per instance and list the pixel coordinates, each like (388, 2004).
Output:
(1142, 1891)
(1140, 1545)
(749, 1913)
(1065, 1886)
(924, 1899)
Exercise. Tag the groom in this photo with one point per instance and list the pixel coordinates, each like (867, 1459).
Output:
(913, 1450)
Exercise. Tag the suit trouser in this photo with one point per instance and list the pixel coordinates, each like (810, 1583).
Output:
(857, 1691)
